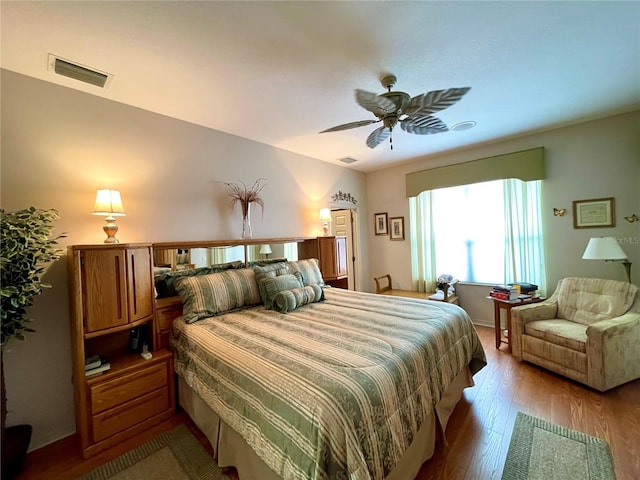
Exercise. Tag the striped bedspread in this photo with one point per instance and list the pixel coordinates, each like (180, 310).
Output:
(333, 390)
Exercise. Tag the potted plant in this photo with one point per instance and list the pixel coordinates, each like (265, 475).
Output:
(27, 250)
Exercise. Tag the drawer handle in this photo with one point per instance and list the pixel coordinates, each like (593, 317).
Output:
(109, 416)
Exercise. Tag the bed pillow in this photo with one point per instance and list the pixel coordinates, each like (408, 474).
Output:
(272, 285)
(165, 282)
(268, 271)
(209, 295)
(288, 300)
(267, 261)
(309, 269)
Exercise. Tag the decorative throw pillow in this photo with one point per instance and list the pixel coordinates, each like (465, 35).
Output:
(272, 285)
(288, 300)
(267, 271)
(165, 282)
(209, 295)
(309, 269)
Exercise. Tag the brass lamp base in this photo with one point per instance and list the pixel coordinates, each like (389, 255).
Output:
(111, 229)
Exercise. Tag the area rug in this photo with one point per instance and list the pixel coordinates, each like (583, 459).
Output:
(540, 450)
(175, 455)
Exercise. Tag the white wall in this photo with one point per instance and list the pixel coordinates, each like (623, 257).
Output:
(60, 145)
(596, 159)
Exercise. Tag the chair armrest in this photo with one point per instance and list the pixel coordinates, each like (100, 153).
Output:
(612, 351)
(536, 311)
(528, 313)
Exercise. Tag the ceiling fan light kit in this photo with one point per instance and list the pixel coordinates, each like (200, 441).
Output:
(413, 113)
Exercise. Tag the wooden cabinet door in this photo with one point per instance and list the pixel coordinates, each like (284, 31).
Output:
(140, 283)
(327, 254)
(103, 289)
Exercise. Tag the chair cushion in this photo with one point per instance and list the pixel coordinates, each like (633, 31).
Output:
(560, 332)
(590, 300)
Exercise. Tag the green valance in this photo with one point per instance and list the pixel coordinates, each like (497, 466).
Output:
(525, 165)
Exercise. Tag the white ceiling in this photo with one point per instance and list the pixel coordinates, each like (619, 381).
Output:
(279, 72)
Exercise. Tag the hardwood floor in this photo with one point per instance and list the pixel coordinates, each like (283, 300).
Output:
(479, 430)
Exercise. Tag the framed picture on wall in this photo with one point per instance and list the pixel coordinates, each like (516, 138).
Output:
(594, 213)
(380, 224)
(396, 228)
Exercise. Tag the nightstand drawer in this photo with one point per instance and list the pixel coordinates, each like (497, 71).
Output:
(126, 415)
(127, 387)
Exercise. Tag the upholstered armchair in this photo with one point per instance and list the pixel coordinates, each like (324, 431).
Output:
(588, 330)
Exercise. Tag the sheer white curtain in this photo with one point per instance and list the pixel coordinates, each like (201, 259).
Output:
(291, 251)
(524, 249)
(423, 258)
(487, 232)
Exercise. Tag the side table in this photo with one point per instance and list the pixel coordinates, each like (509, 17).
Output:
(507, 305)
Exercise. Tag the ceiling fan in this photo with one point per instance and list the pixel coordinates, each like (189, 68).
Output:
(414, 114)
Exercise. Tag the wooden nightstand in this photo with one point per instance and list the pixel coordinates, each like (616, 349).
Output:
(111, 288)
(507, 305)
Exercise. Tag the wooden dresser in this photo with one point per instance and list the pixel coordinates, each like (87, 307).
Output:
(112, 292)
(331, 252)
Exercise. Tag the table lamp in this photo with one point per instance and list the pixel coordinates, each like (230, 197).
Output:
(109, 204)
(325, 218)
(265, 250)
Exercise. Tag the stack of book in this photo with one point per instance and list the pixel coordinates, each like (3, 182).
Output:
(95, 365)
(504, 292)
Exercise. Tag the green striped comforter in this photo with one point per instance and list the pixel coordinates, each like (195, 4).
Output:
(333, 390)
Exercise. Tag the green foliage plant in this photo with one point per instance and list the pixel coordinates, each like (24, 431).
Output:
(27, 250)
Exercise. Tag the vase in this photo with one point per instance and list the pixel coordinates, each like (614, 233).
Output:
(246, 220)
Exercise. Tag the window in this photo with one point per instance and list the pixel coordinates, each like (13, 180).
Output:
(485, 232)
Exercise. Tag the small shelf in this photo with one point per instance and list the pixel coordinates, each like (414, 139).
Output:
(125, 362)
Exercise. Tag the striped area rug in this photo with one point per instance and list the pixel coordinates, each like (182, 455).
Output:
(175, 455)
(540, 450)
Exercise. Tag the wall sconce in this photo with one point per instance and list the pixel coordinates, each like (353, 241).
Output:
(607, 249)
(325, 218)
(109, 204)
(559, 212)
(265, 250)
(632, 218)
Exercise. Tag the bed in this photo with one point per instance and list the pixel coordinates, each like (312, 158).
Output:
(354, 386)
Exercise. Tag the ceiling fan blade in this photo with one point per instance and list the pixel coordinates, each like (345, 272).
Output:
(379, 135)
(347, 126)
(376, 104)
(434, 101)
(423, 125)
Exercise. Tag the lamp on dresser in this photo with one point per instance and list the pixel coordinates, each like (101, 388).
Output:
(265, 250)
(325, 218)
(109, 204)
(607, 249)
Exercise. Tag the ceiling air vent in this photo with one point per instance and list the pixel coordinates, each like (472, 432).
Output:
(348, 160)
(79, 72)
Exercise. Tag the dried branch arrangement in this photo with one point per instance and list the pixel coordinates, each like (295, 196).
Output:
(245, 195)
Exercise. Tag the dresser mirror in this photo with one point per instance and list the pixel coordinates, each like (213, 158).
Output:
(175, 256)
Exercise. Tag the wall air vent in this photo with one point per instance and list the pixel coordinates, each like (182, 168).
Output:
(348, 160)
(79, 72)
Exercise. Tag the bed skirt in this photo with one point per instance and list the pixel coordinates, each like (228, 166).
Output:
(230, 449)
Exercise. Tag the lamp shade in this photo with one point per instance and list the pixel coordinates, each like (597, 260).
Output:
(603, 248)
(265, 250)
(109, 203)
(325, 214)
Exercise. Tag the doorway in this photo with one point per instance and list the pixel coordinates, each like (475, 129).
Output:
(344, 222)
